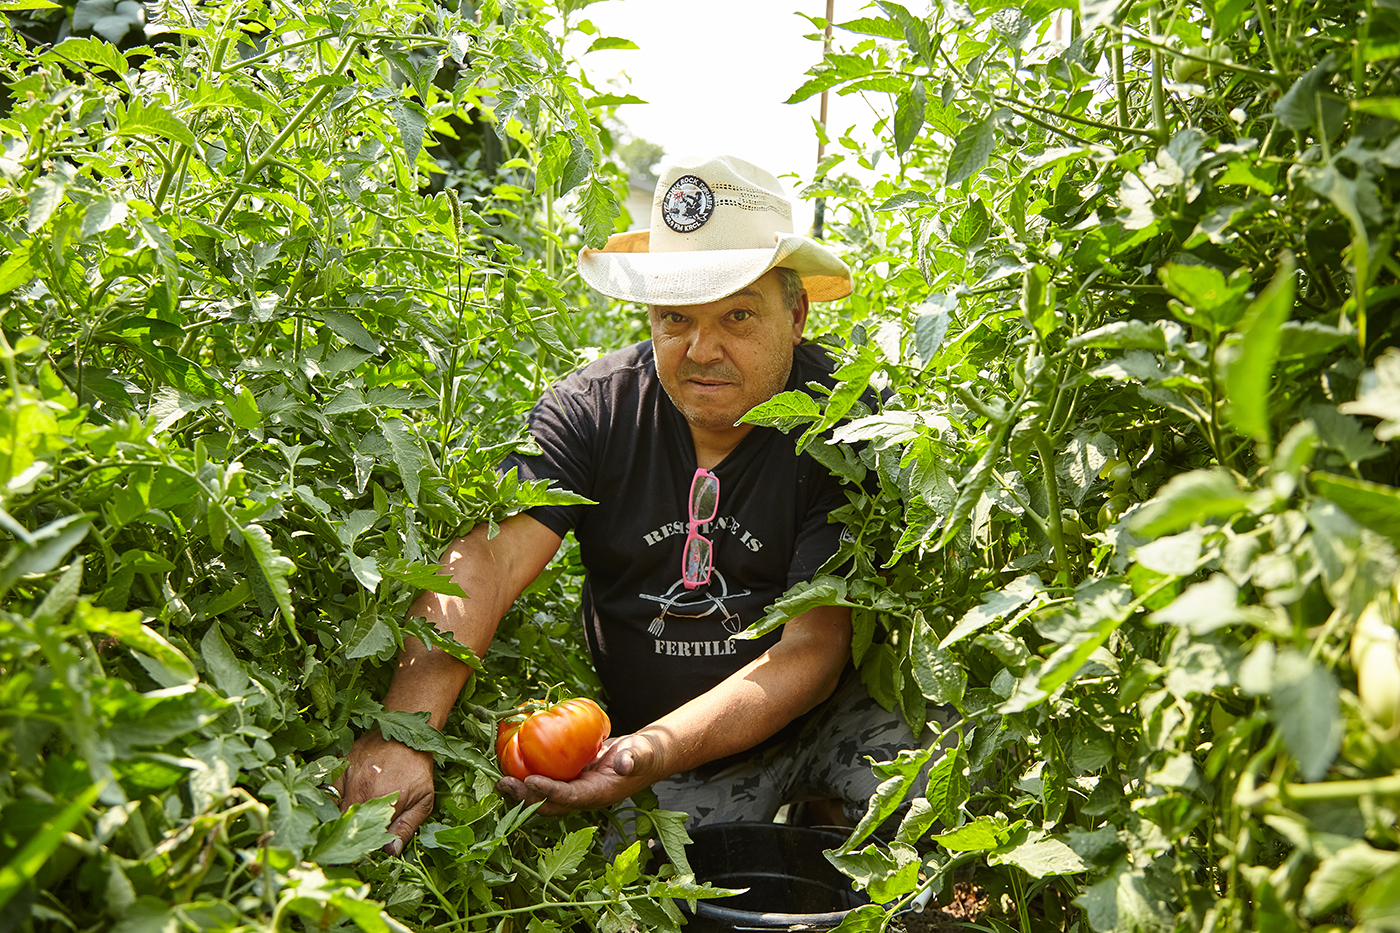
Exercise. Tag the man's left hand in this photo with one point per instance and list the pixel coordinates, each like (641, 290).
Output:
(624, 766)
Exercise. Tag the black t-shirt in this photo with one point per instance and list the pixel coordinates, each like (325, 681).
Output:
(610, 432)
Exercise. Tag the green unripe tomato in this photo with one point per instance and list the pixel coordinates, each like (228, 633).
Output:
(1188, 69)
(1375, 654)
(1112, 509)
(1109, 466)
(1121, 475)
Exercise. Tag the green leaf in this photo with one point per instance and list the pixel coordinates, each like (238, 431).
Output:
(823, 590)
(1249, 375)
(443, 641)
(899, 776)
(422, 575)
(1379, 905)
(941, 676)
(981, 835)
(1205, 607)
(74, 50)
(102, 215)
(16, 270)
(1093, 14)
(625, 866)
(1298, 108)
(1042, 858)
(971, 150)
(853, 379)
(412, 729)
(784, 411)
(50, 545)
(918, 819)
(931, 326)
(1205, 297)
(411, 120)
(973, 224)
(947, 787)
(909, 116)
(1380, 395)
(564, 859)
(142, 119)
(1124, 335)
(884, 874)
(602, 43)
(867, 918)
(872, 26)
(1342, 876)
(553, 155)
(903, 199)
(275, 567)
(613, 100)
(360, 830)
(44, 198)
(1374, 505)
(670, 829)
(598, 208)
(1387, 107)
(221, 663)
(25, 864)
(349, 327)
(408, 457)
(243, 409)
(369, 636)
(1307, 711)
(1189, 498)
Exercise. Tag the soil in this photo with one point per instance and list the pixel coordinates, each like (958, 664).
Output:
(964, 904)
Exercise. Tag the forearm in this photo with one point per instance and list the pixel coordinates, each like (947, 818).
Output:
(789, 679)
(492, 573)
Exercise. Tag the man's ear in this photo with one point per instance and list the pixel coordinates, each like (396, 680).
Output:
(799, 316)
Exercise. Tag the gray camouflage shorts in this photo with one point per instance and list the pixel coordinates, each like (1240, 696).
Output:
(826, 759)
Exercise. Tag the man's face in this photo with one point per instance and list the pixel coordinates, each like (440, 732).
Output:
(718, 360)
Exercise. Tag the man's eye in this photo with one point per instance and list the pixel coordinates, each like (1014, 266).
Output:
(741, 314)
(673, 318)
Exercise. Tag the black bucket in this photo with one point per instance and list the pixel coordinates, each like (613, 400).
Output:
(790, 881)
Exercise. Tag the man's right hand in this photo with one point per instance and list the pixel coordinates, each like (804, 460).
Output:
(380, 766)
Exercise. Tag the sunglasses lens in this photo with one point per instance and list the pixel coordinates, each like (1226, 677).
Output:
(695, 567)
(704, 498)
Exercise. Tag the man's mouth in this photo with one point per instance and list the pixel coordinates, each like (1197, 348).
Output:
(709, 380)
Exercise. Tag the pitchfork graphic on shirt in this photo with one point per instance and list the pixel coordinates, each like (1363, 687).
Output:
(690, 604)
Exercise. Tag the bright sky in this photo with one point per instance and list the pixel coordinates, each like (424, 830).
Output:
(715, 75)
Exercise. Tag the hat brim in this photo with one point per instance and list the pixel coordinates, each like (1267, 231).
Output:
(627, 271)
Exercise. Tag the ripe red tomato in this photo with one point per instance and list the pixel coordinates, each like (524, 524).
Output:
(556, 742)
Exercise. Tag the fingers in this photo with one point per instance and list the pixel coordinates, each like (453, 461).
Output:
(406, 822)
(633, 756)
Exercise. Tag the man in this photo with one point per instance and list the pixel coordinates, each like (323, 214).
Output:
(701, 523)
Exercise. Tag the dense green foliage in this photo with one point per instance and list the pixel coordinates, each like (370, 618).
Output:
(1130, 278)
(256, 375)
(1126, 271)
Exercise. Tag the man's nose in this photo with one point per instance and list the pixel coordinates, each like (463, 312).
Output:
(706, 344)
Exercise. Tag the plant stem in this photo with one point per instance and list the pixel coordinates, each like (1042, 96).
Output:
(1082, 121)
(292, 126)
(1159, 96)
(1119, 82)
(544, 905)
(1052, 508)
(1266, 26)
(1388, 786)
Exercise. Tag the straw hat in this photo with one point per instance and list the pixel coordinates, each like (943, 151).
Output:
(716, 225)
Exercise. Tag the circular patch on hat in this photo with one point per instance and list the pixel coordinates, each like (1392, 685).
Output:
(688, 204)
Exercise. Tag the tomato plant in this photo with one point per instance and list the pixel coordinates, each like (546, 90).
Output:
(556, 741)
(272, 308)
